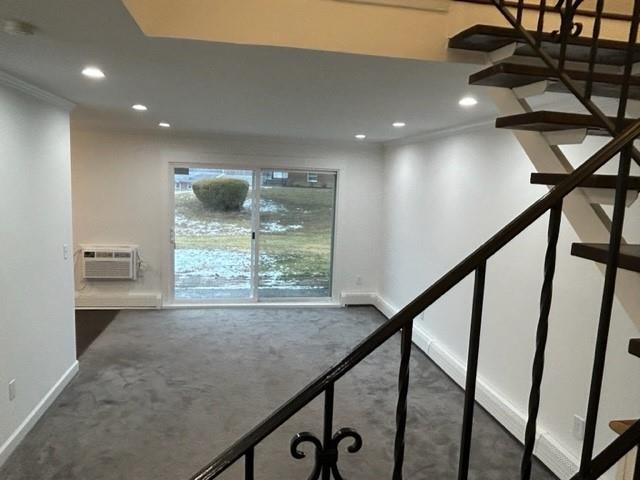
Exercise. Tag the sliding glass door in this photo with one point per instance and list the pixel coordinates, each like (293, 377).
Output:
(248, 235)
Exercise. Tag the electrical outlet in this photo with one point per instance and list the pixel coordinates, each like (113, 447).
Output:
(12, 390)
(578, 427)
(358, 280)
(65, 251)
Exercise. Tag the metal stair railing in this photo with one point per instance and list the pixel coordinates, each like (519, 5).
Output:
(402, 321)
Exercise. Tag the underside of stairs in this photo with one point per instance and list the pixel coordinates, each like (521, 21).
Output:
(516, 67)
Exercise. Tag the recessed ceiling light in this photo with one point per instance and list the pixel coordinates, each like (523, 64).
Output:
(164, 125)
(467, 101)
(399, 124)
(361, 136)
(139, 107)
(93, 72)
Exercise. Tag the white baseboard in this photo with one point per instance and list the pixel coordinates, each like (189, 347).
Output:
(560, 461)
(265, 304)
(368, 298)
(358, 298)
(387, 309)
(18, 435)
(98, 301)
(554, 456)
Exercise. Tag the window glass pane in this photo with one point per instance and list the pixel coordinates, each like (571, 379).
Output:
(296, 234)
(213, 229)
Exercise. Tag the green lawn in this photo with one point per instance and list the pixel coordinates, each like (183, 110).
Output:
(295, 238)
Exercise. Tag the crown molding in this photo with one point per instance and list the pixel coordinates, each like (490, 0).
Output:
(443, 132)
(33, 91)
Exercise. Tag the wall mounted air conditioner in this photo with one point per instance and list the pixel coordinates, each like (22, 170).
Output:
(106, 262)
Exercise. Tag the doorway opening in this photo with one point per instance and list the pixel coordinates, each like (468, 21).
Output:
(248, 235)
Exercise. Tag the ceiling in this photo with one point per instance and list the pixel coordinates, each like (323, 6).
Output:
(202, 87)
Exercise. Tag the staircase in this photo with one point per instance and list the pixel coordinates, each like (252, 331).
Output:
(565, 59)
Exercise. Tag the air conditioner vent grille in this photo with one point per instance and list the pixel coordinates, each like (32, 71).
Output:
(109, 263)
(107, 269)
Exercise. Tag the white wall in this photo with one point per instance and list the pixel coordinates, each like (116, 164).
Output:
(37, 339)
(446, 195)
(121, 194)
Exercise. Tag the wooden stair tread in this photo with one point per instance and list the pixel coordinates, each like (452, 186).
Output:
(549, 121)
(487, 38)
(512, 75)
(621, 426)
(634, 347)
(629, 254)
(595, 181)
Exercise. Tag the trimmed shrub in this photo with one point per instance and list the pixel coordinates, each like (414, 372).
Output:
(223, 194)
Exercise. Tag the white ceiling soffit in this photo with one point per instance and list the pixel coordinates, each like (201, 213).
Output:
(428, 5)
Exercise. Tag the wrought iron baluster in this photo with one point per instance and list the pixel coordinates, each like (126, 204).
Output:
(568, 27)
(566, 22)
(326, 451)
(594, 47)
(472, 371)
(537, 372)
(540, 27)
(401, 408)
(608, 293)
(328, 428)
(631, 46)
(636, 468)
(520, 11)
(248, 464)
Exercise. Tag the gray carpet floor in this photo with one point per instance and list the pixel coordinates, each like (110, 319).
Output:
(160, 393)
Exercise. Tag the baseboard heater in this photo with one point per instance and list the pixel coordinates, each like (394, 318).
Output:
(110, 301)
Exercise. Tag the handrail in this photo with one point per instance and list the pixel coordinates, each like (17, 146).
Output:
(419, 304)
